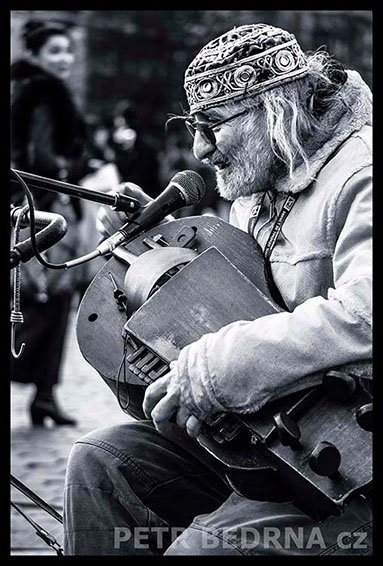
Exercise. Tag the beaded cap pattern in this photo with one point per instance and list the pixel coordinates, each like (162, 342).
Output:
(243, 62)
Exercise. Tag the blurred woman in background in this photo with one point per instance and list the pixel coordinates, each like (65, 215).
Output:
(48, 139)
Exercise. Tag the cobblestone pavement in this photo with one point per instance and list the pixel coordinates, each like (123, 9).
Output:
(39, 455)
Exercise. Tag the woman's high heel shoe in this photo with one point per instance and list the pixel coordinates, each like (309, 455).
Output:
(40, 409)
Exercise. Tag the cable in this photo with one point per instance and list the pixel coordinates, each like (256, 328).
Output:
(36, 252)
(40, 259)
(123, 364)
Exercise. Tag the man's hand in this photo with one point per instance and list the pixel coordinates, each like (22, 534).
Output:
(108, 220)
(162, 401)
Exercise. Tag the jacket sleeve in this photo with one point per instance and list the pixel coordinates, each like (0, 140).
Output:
(247, 363)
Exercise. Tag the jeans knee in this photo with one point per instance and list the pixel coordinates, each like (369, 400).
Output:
(81, 461)
(100, 454)
(85, 458)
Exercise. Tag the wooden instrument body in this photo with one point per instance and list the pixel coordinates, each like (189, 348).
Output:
(100, 325)
(224, 282)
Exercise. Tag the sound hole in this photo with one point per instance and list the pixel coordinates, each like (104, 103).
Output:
(92, 317)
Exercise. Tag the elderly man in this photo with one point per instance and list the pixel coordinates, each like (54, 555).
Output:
(289, 137)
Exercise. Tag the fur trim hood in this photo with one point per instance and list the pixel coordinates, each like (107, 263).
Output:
(23, 69)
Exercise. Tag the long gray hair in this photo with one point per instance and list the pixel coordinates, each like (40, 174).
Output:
(294, 111)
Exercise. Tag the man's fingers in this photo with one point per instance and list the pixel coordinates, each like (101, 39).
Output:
(182, 416)
(161, 402)
(154, 393)
(163, 411)
(193, 426)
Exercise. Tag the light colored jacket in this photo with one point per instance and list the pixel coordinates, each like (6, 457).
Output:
(321, 264)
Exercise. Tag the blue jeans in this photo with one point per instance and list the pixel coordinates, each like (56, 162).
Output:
(131, 491)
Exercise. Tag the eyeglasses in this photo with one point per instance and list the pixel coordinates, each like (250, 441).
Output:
(206, 130)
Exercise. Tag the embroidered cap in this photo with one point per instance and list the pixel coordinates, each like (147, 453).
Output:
(243, 62)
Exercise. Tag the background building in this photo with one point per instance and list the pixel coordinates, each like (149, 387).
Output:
(142, 55)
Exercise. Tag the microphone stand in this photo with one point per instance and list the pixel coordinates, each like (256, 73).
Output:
(115, 200)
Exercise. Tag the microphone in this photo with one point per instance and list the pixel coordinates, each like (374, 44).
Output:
(185, 189)
(54, 227)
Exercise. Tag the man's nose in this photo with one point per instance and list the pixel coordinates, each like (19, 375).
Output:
(201, 147)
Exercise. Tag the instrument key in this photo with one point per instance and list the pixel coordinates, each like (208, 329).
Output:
(145, 378)
(339, 385)
(156, 374)
(145, 360)
(134, 369)
(137, 354)
(364, 417)
(287, 429)
(325, 459)
(148, 367)
(215, 419)
(230, 430)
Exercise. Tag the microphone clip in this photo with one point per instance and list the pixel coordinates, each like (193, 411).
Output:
(124, 203)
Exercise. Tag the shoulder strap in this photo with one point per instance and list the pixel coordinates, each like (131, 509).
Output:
(276, 230)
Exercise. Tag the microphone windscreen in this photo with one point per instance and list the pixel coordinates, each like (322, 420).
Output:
(191, 184)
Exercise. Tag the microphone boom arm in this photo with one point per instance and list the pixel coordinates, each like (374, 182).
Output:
(115, 200)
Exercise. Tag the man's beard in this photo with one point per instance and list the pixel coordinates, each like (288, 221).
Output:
(249, 167)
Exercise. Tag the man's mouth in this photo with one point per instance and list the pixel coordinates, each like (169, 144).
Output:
(220, 164)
